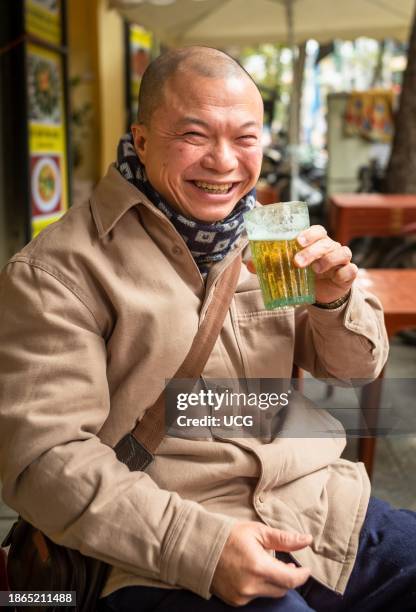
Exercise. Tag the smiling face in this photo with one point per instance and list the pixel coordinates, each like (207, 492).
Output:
(202, 147)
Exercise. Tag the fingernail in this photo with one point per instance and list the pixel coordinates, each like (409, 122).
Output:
(300, 259)
(304, 536)
(302, 240)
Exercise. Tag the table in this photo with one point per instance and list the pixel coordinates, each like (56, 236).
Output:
(396, 290)
(266, 194)
(370, 214)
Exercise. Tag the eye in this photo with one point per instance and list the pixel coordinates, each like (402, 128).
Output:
(194, 135)
(194, 138)
(248, 138)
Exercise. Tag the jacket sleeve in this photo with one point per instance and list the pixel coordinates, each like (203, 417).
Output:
(55, 471)
(349, 342)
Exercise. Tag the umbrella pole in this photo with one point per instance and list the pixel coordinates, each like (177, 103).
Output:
(293, 124)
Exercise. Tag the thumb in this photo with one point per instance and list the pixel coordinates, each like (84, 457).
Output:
(284, 541)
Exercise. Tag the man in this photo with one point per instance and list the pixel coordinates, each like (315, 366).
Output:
(103, 306)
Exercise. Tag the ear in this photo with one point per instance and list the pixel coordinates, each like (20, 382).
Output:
(140, 137)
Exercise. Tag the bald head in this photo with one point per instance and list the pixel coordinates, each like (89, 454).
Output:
(202, 61)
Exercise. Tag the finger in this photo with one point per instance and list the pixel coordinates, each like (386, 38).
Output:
(263, 589)
(312, 234)
(346, 275)
(284, 541)
(284, 576)
(333, 259)
(271, 590)
(315, 251)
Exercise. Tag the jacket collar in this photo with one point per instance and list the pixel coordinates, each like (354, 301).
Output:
(112, 198)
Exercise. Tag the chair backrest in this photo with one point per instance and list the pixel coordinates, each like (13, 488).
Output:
(4, 586)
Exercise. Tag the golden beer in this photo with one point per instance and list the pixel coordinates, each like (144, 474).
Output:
(281, 283)
(272, 231)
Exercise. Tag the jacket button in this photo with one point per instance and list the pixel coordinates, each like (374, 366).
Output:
(177, 250)
(260, 499)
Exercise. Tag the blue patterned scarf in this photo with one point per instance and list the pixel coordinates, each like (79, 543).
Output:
(208, 242)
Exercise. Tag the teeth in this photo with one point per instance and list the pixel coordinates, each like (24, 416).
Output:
(214, 188)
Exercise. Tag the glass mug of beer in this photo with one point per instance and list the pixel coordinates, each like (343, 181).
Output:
(272, 232)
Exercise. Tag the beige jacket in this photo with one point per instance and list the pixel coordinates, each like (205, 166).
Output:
(95, 314)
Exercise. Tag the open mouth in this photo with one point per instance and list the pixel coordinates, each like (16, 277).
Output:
(220, 188)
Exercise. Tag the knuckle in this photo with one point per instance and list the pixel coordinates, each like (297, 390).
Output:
(247, 592)
(285, 538)
(319, 228)
(259, 571)
(324, 263)
(244, 595)
(347, 271)
(237, 602)
(329, 245)
(247, 588)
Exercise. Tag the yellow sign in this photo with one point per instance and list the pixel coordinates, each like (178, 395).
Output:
(140, 38)
(46, 138)
(40, 223)
(43, 19)
(47, 141)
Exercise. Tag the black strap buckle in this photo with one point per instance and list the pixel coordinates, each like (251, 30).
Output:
(133, 454)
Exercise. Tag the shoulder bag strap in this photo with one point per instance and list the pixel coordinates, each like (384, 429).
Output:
(137, 447)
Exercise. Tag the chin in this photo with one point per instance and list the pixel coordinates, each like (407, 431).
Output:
(213, 213)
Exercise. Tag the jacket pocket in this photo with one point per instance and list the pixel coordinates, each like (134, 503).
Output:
(265, 337)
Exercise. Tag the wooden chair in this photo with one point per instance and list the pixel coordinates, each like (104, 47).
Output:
(396, 290)
(3, 571)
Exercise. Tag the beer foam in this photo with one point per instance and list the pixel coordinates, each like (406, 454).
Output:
(261, 233)
(282, 221)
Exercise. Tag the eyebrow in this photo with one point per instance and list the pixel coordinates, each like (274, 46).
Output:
(195, 120)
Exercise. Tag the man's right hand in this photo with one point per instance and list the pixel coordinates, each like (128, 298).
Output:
(246, 570)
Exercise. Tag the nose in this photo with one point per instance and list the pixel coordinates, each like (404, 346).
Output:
(221, 157)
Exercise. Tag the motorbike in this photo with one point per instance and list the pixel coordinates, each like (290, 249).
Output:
(310, 185)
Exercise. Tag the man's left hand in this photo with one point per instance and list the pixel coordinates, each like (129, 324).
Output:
(331, 262)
